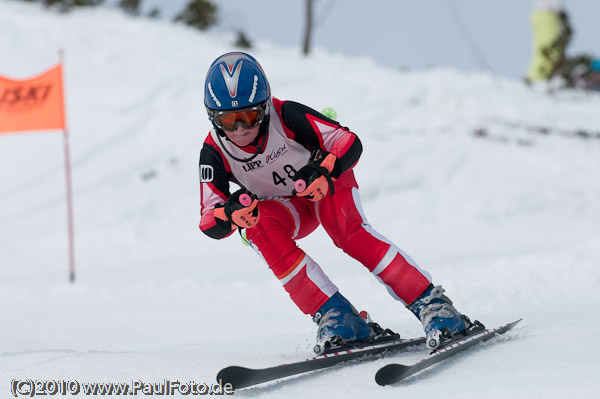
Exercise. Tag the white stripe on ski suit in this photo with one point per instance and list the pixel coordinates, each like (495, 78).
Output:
(392, 252)
(313, 272)
(293, 211)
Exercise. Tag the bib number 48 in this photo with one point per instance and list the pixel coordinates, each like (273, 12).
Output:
(289, 170)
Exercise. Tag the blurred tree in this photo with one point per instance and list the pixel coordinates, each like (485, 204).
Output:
(308, 27)
(154, 13)
(242, 40)
(67, 5)
(200, 14)
(314, 20)
(131, 7)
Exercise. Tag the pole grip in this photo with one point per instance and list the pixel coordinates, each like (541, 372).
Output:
(300, 185)
(245, 200)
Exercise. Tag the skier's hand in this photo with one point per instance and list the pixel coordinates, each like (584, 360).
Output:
(314, 180)
(240, 210)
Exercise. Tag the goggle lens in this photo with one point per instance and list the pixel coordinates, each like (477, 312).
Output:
(248, 119)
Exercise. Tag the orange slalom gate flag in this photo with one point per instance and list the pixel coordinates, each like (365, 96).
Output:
(33, 104)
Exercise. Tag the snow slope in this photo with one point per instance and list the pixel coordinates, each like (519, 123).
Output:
(509, 226)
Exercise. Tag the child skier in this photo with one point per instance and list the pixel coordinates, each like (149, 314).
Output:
(295, 169)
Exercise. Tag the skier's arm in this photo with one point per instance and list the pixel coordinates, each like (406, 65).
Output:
(316, 131)
(214, 191)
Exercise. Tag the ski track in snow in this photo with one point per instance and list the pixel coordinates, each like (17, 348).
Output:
(509, 226)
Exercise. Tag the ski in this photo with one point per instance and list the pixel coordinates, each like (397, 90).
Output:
(397, 372)
(242, 377)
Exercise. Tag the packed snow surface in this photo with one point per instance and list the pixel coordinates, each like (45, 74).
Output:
(508, 223)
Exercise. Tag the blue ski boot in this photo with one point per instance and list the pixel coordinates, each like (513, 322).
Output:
(441, 321)
(339, 323)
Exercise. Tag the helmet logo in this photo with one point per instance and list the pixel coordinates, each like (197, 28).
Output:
(212, 94)
(232, 78)
(251, 99)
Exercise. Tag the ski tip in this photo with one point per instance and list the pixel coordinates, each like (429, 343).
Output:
(390, 373)
(514, 323)
(234, 375)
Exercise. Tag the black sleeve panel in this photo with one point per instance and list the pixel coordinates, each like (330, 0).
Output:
(209, 156)
(214, 182)
(349, 159)
(293, 116)
(217, 231)
(348, 147)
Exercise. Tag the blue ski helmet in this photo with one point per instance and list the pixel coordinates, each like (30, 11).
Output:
(235, 82)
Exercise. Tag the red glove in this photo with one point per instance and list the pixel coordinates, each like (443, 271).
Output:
(240, 210)
(314, 180)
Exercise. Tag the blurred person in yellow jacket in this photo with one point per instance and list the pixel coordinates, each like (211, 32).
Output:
(551, 33)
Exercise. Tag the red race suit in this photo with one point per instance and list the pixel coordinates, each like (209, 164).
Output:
(294, 132)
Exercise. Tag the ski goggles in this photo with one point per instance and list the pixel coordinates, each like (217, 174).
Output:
(247, 118)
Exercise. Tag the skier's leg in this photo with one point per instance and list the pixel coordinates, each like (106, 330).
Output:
(282, 221)
(342, 217)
